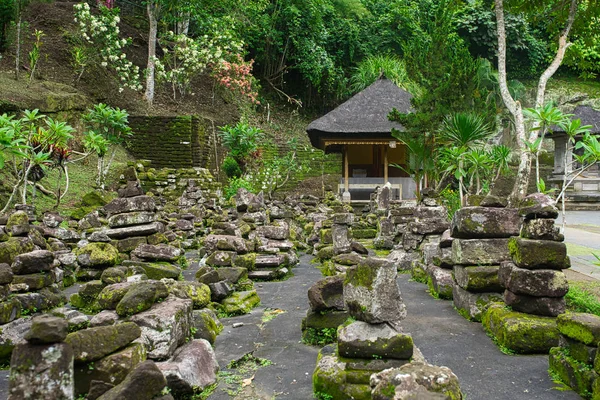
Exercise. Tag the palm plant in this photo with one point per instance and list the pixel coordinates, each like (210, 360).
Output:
(420, 158)
(544, 118)
(464, 131)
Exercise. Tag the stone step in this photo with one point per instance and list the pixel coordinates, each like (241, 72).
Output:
(270, 260)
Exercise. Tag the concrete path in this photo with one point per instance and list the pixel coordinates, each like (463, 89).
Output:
(582, 236)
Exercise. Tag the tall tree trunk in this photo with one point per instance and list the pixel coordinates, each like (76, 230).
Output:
(18, 43)
(514, 107)
(152, 9)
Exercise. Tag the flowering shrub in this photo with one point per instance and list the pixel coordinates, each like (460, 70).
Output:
(102, 33)
(186, 57)
(237, 77)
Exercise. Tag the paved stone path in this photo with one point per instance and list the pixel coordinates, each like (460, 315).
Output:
(444, 337)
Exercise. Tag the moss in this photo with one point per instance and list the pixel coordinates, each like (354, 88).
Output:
(576, 375)
(580, 326)
(418, 274)
(13, 247)
(325, 253)
(247, 261)
(361, 275)
(240, 303)
(364, 233)
(520, 332)
(100, 254)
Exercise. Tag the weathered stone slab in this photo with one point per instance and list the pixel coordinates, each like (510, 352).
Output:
(440, 282)
(538, 254)
(131, 218)
(580, 326)
(485, 222)
(33, 262)
(193, 367)
(165, 326)
(472, 305)
(520, 332)
(371, 293)
(576, 375)
(538, 205)
(417, 380)
(538, 283)
(478, 279)
(159, 252)
(94, 343)
(126, 205)
(365, 340)
(327, 294)
(52, 376)
(137, 230)
(546, 306)
(146, 381)
(479, 251)
(541, 229)
(213, 243)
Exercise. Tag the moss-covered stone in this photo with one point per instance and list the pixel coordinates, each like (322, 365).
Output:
(325, 253)
(161, 269)
(520, 332)
(326, 236)
(94, 343)
(418, 274)
(111, 295)
(206, 324)
(240, 303)
(17, 218)
(33, 282)
(363, 275)
(9, 311)
(247, 261)
(97, 255)
(364, 233)
(537, 254)
(324, 320)
(13, 247)
(580, 326)
(141, 297)
(576, 375)
(330, 378)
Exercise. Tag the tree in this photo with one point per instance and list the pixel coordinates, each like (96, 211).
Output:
(514, 106)
(153, 9)
(465, 132)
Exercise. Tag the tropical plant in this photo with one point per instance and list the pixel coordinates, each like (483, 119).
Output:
(464, 132)
(543, 119)
(34, 54)
(33, 141)
(106, 126)
(420, 158)
(241, 140)
(231, 167)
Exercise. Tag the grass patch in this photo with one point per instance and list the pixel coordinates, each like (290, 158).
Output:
(319, 337)
(270, 314)
(578, 250)
(240, 373)
(581, 297)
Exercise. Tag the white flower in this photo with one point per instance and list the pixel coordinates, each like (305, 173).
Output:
(104, 63)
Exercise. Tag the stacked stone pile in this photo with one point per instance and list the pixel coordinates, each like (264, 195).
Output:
(35, 281)
(534, 282)
(371, 343)
(326, 311)
(575, 360)
(480, 244)
(45, 348)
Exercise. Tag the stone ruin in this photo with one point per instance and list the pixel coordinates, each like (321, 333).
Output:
(534, 283)
(480, 237)
(575, 361)
(371, 350)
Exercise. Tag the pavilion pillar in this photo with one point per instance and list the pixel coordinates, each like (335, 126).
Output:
(385, 164)
(346, 194)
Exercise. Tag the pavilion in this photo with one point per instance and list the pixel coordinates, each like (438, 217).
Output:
(361, 131)
(586, 187)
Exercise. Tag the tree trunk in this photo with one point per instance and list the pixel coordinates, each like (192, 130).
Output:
(152, 9)
(18, 43)
(524, 171)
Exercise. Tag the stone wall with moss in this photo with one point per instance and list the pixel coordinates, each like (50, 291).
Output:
(171, 142)
(171, 182)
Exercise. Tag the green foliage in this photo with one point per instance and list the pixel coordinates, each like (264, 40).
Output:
(7, 14)
(420, 157)
(241, 140)
(527, 46)
(371, 68)
(231, 168)
(322, 396)
(319, 337)
(233, 186)
(106, 126)
(34, 54)
(580, 298)
(451, 200)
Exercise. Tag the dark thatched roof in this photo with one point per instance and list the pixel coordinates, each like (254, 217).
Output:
(363, 116)
(587, 115)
